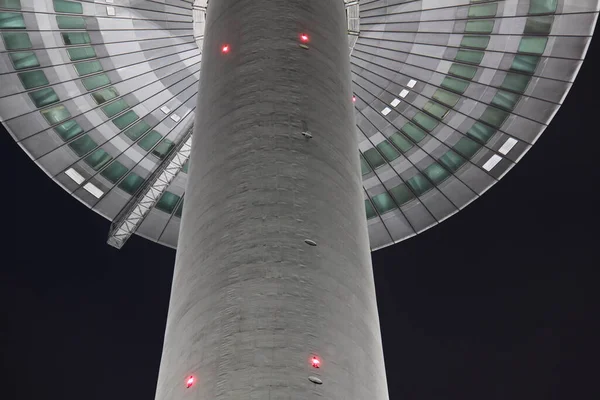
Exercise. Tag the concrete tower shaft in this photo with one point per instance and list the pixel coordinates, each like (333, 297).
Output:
(251, 301)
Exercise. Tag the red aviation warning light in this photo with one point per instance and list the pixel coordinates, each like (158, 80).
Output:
(225, 49)
(190, 381)
(315, 362)
(354, 99)
(304, 38)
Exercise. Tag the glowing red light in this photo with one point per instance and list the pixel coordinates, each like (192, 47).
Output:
(225, 49)
(190, 382)
(304, 38)
(315, 362)
(354, 99)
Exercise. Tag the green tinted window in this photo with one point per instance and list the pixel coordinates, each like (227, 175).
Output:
(466, 147)
(481, 132)
(369, 210)
(186, 165)
(68, 130)
(463, 71)
(451, 160)
(125, 120)
(98, 159)
(413, 132)
(70, 7)
(401, 194)
(104, 95)
(11, 4)
(447, 98)
(56, 114)
(470, 56)
(542, 6)
(167, 202)
(388, 151)
(479, 26)
(425, 121)
(419, 184)
(131, 183)
(137, 130)
(477, 42)
(435, 109)
(9, 20)
(115, 107)
(83, 145)
(436, 173)
(456, 85)
(179, 210)
(33, 79)
(96, 81)
(44, 97)
(16, 40)
(374, 158)
(24, 59)
(539, 25)
(516, 82)
(483, 10)
(383, 202)
(87, 67)
(401, 142)
(163, 148)
(506, 100)
(494, 116)
(65, 22)
(535, 45)
(364, 166)
(73, 38)
(526, 64)
(114, 171)
(148, 141)
(81, 53)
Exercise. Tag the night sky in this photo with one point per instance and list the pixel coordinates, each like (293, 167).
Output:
(496, 303)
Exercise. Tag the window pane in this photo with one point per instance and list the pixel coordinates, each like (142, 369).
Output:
(24, 59)
(9, 20)
(87, 67)
(449, 99)
(374, 158)
(516, 82)
(186, 165)
(56, 114)
(364, 166)
(456, 85)
(16, 40)
(125, 120)
(483, 10)
(98, 159)
(524, 63)
(419, 184)
(479, 26)
(68, 130)
(115, 107)
(388, 151)
(179, 209)
(73, 38)
(44, 97)
(148, 141)
(383, 202)
(96, 81)
(466, 147)
(481, 132)
(370, 210)
(436, 173)
(470, 56)
(535, 45)
(402, 194)
(65, 22)
(451, 160)
(163, 148)
(413, 132)
(137, 130)
(506, 100)
(425, 121)
(81, 53)
(401, 142)
(494, 116)
(478, 42)
(463, 71)
(435, 109)
(70, 7)
(114, 171)
(542, 6)
(167, 202)
(83, 145)
(131, 183)
(12, 4)
(104, 95)
(33, 79)
(539, 25)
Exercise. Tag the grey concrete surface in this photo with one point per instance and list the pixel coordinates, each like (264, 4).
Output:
(251, 301)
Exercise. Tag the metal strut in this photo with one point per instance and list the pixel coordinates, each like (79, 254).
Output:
(135, 211)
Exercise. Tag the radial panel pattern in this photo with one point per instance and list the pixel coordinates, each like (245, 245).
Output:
(449, 95)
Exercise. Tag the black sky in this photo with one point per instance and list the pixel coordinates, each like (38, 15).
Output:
(496, 303)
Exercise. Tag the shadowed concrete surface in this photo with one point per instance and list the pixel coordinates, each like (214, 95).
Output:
(251, 301)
